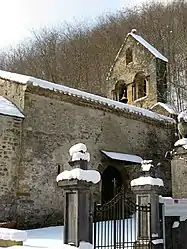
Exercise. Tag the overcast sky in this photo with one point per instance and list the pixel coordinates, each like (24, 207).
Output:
(19, 17)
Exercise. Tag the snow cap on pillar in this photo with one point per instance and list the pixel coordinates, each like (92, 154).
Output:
(147, 175)
(79, 152)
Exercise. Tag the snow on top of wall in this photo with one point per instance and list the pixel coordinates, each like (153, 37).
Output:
(162, 199)
(80, 174)
(83, 95)
(123, 157)
(8, 108)
(147, 45)
(166, 106)
(181, 142)
(23, 79)
(12, 234)
(182, 115)
(147, 180)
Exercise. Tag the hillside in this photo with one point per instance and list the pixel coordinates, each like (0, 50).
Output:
(80, 56)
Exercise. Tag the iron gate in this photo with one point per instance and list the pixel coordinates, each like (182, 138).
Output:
(121, 223)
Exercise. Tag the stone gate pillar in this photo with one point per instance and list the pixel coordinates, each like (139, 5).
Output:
(179, 169)
(176, 234)
(147, 189)
(76, 184)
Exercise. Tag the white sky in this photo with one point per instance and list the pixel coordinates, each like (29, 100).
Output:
(19, 17)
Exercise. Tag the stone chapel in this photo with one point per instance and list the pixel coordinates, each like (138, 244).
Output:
(41, 120)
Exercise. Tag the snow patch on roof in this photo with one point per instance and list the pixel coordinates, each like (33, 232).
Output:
(147, 45)
(84, 95)
(147, 180)
(80, 174)
(8, 108)
(166, 106)
(123, 157)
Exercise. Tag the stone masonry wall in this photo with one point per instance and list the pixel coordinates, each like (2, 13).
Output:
(13, 91)
(53, 123)
(10, 141)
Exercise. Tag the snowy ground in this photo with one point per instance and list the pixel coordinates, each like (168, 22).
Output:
(52, 237)
(49, 237)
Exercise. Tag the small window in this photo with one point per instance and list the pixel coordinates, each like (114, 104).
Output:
(128, 56)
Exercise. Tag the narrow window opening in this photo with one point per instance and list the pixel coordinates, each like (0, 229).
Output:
(139, 88)
(145, 87)
(128, 56)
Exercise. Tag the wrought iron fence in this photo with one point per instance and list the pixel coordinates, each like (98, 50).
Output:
(121, 223)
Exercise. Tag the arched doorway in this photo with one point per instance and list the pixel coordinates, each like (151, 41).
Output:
(111, 183)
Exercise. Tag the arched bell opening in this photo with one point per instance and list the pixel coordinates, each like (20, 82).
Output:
(120, 92)
(139, 87)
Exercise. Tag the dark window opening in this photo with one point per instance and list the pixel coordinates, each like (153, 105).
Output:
(145, 87)
(128, 56)
(111, 183)
(140, 86)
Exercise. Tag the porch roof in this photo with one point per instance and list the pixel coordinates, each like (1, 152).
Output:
(122, 157)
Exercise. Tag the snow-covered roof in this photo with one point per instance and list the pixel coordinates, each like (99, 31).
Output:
(147, 45)
(23, 79)
(166, 106)
(123, 157)
(9, 109)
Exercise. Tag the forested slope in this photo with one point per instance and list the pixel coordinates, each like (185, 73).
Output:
(80, 56)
